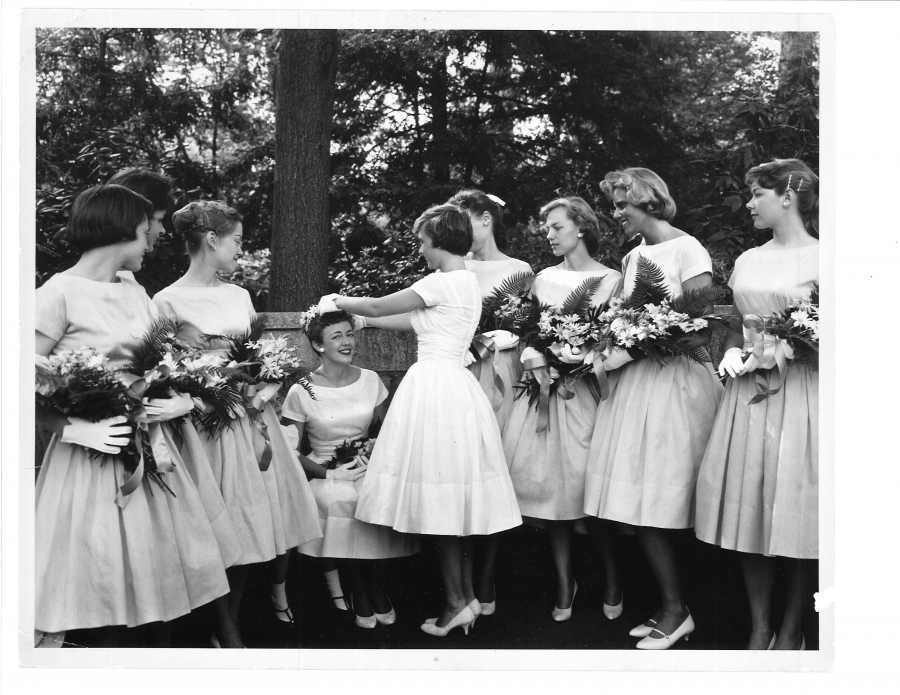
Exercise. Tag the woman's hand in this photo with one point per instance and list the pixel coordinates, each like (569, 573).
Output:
(504, 340)
(162, 409)
(529, 353)
(469, 358)
(349, 471)
(326, 304)
(617, 358)
(732, 362)
(107, 436)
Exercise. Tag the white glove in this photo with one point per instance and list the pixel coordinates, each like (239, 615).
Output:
(162, 409)
(503, 339)
(469, 358)
(617, 358)
(358, 322)
(528, 354)
(327, 305)
(571, 355)
(732, 362)
(107, 436)
(346, 472)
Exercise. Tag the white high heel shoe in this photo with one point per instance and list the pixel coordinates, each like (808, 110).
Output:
(462, 619)
(562, 614)
(643, 629)
(613, 612)
(489, 608)
(475, 605)
(666, 641)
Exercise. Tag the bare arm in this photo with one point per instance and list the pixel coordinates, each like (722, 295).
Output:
(735, 335)
(49, 418)
(399, 322)
(401, 302)
(310, 467)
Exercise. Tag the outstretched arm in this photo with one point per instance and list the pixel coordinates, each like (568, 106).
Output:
(400, 322)
(401, 302)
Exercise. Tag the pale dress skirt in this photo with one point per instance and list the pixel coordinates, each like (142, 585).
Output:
(246, 495)
(547, 468)
(198, 467)
(438, 466)
(509, 367)
(97, 564)
(649, 439)
(758, 489)
(294, 511)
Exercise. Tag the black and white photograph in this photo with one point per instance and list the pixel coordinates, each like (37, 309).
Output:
(479, 341)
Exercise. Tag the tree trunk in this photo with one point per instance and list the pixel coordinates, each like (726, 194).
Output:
(304, 101)
(799, 52)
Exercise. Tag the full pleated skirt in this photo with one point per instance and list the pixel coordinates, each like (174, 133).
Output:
(246, 494)
(97, 564)
(197, 465)
(509, 369)
(295, 516)
(347, 537)
(649, 439)
(758, 489)
(438, 465)
(547, 468)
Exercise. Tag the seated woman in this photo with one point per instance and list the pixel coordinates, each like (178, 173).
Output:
(347, 399)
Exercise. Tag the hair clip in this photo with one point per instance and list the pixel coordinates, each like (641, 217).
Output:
(789, 180)
(496, 199)
(799, 184)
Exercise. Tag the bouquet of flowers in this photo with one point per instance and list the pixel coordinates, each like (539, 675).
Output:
(569, 340)
(79, 383)
(259, 367)
(507, 308)
(770, 341)
(349, 450)
(651, 322)
(163, 364)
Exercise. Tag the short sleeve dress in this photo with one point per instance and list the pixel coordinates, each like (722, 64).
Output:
(547, 468)
(490, 275)
(438, 466)
(272, 510)
(651, 433)
(97, 564)
(758, 489)
(335, 416)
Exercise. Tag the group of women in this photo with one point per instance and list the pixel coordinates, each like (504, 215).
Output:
(455, 458)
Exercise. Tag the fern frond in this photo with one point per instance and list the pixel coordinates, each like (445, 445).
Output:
(649, 285)
(579, 299)
(149, 351)
(694, 302)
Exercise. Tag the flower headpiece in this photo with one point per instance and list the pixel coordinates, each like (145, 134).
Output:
(308, 316)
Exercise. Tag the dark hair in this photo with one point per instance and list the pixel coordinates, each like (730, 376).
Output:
(643, 188)
(448, 226)
(781, 174)
(156, 188)
(582, 215)
(105, 215)
(478, 202)
(318, 325)
(195, 219)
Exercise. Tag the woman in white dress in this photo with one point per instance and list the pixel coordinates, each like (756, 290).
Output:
(101, 563)
(547, 467)
(438, 466)
(347, 400)
(650, 434)
(491, 266)
(274, 510)
(757, 492)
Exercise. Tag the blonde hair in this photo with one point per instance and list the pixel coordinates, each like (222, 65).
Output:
(643, 188)
(582, 215)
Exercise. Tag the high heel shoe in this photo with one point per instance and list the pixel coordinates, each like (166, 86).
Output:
(666, 641)
(643, 630)
(772, 643)
(489, 608)
(613, 612)
(462, 619)
(475, 605)
(802, 643)
(336, 599)
(388, 618)
(561, 614)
